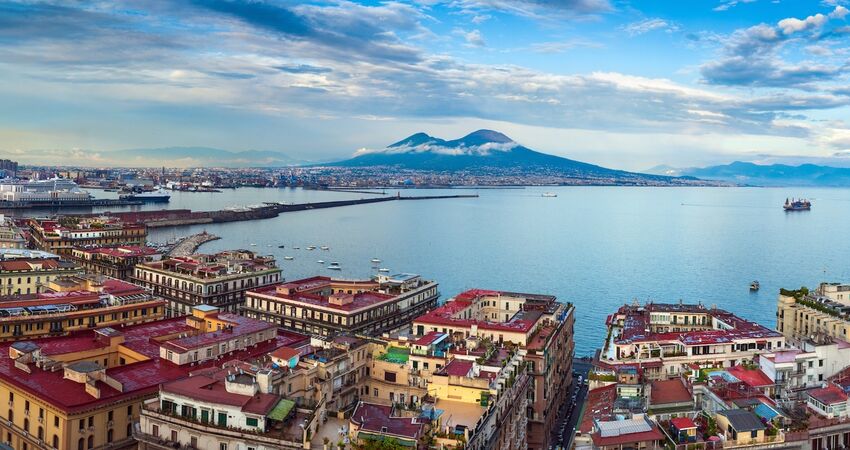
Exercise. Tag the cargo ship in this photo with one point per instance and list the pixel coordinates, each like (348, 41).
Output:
(157, 196)
(797, 205)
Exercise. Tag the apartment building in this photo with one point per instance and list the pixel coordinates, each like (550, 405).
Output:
(220, 280)
(537, 327)
(63, 235)
(116, 262)
(24, 272)
(86, 390)
(77, 303)
(326, 306)
(801, 314)
(10, 234)
(664, 338)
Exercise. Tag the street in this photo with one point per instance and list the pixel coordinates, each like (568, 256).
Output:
(570, 411)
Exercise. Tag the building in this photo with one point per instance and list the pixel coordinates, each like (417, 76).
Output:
(70, 304)
(538, 327)
(638, 433)
(10, 234)
(801, 314)
(237, 406)
(25, 272)
(63, 235)
(220, 280)
(9, 167)
(45, 192)
(86, 390)
(740, 427)
(371, 422)
(116, 262)
(663, 339)
(325, 306)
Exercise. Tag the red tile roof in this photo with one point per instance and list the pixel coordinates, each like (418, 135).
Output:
(286, 353)
(829, 395)
(372, 418)
(683, 423)
(429, 338)
(308, 291)
(208, 389)
(458, 368)
(669, 391)
(750, 377)
(240, 327)
(599, 406)
(138, 379)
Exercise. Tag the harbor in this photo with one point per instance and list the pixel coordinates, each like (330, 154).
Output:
(181, 217)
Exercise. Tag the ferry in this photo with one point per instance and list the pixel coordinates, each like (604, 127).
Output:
(156, 196)
(334, 266)
(754, 286)
(797, 204)
(549, 194)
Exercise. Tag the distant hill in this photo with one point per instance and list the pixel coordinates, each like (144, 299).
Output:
(483, 150)
(200, 157)
(768, 175)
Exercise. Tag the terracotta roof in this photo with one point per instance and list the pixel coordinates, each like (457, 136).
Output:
(458, 368)
(669, 391)
(750, 377)
(829, 395)
(286, 353)
(210, 390)
(380, 419)
(683, 423)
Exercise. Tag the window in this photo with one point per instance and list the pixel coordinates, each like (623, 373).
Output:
(56, 421)
(376, 392)
(91, 421)
(222, 446)
(109, 435)
(91, 441)
(155, 430)
(130, 410)
(389, 376)
(55, 441)
(754, 434)
(251, 421)
(81, 444)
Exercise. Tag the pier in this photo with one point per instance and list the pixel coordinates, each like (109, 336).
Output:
(189, 244)
(95, 202)
(181, 217)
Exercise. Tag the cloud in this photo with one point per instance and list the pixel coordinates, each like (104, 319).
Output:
(473, 38)
(537, 9)
(752, 56)
(728, 4)
(839, 12)
(647, 25)
(562, 46)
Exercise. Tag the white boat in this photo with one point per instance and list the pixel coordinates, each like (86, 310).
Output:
(334, 266)
(253, 244)
(288, 258)
(549, 194)
(311, 247)
(376, 260)
(325, 247)
(321, 261)
(155, 196)
(383, 269)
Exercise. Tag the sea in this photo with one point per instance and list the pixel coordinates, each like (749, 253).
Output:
(595, 247)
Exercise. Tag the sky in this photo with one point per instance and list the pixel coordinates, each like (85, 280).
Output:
(625, 84)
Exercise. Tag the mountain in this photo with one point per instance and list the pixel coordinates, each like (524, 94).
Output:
(199, 157)
(773, 174)
(484, 150)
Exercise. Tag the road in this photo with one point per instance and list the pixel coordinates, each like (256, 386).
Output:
(570, 412)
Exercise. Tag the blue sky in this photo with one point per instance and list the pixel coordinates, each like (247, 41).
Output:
(627, 84)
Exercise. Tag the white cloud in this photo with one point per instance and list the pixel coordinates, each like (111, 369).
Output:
(793, 25)
(839, 12)
(647, 25)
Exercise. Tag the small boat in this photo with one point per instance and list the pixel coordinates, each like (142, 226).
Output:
(799, 204)
(311, 247)
(297, 248)
(281, 246)
(376, 260)
(325, 247)
(383, 269)
(754, 286)
(334, 266)
(321, 261)
(288, 258)
(253, 244)
(549, 194)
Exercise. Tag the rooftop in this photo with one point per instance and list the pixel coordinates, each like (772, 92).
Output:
(742, 420)
(319, 291)
(138, 378)
(829, 395)
(238, 326)
(371, 417)
(669, 391)
(212, 390)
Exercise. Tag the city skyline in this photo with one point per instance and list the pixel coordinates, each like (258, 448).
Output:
(625, 85)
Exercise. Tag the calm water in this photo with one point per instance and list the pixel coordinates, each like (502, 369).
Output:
(597, 247)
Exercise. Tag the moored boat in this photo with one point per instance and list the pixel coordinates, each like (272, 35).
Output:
(799, 204)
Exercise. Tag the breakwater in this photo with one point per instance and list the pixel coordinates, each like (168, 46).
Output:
(180, 217)
(189, 244)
